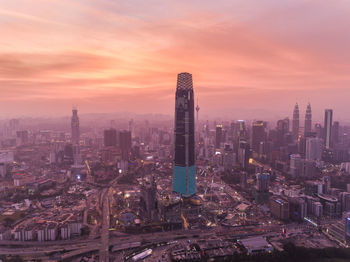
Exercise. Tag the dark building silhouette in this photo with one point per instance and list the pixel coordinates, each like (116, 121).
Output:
(308, 120)
(76, 137)
(75, 127)
(295, 124)
(335, 133)
(110, 137)
(125, 143)
(258, 135)
(22, 137)
(218, 136)
(184, 180)
(148, 200)
(328, 118)
(282, 131)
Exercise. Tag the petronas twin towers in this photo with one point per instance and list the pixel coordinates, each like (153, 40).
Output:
(308, 121)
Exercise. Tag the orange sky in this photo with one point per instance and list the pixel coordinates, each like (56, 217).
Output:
(251, 59)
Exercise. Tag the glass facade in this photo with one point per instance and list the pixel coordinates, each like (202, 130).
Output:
(184, 158)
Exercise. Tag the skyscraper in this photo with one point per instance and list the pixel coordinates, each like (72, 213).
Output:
(229, 157)
(243, 154)
(148, 200)
(313, 148)
(75, 127)
(282, 131)
(218, 136)
(328, 115)
(258, 135)
(308, 120)
(335, 133)
(75, 137)
(262, 188)
(295, 127)
(295, 165)
(125, 143)
(184, 180)
(110, 137)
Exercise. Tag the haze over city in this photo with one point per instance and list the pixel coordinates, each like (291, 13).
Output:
(249, 59)
(174, 131)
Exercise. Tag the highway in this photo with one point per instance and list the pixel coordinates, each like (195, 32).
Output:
(75, 248)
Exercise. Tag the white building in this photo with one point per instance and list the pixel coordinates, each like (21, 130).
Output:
(313, 148)
(65, 232)
(295, 165)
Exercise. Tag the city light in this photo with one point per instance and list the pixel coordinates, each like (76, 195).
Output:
(122, 135)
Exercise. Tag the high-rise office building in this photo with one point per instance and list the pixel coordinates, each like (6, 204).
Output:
(243, 154)
(229, 158)
(262, 188)
(75, 127)
(218, 136)
(125, 143)
(328, 117)
(335, 133)
(308, 120)
(297, 208)
(184, 180)
(110, 137)
(22, 137)
(345, 201)
(148, 200)
(76, 137)
(282, 131)
(258, 135)
(295, 165)
(279, 208)
(295, 124)
(263, 182)
(283, 125)
(241, 130)
(313, 148)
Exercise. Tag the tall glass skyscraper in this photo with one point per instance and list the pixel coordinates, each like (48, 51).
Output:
(76, 137)
(328, 118)
(295, 123)
(75, 127)
(308, 119)
(184, 180)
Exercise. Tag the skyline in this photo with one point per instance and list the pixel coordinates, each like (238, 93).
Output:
(100, 56)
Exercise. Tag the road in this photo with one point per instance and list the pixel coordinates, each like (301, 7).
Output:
(103, 245)
(104, 248)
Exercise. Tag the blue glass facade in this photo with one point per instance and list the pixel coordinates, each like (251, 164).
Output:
(180, 181)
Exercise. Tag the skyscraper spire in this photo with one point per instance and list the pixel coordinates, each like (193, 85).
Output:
(308, 120)
(295, 127)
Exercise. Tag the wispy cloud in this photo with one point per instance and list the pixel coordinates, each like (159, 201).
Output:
(97, 52)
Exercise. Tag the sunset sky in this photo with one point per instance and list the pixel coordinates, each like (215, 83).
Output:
(251, 59)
